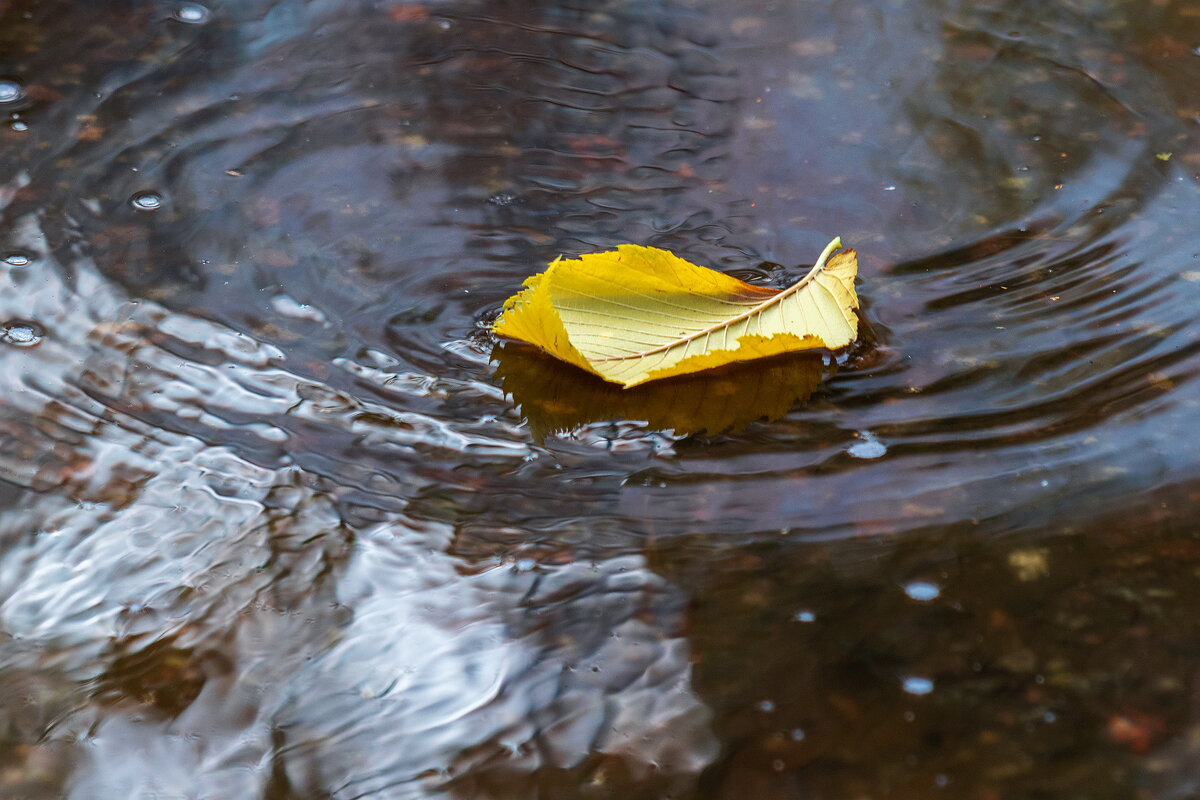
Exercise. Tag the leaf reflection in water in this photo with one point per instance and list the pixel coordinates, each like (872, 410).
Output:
(555, 398)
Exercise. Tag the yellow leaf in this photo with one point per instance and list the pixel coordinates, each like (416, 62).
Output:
(555, 398)
(641, 314)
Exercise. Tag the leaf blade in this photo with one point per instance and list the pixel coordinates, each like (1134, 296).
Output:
(639, 314)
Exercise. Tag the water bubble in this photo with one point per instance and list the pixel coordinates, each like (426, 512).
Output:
(766, 706)
(21, 333)
(18, 125)
(917, 685)
(922, 590)
(17, 259)
(867, 446)
(889, 188)
(191, 13)
(146, 201)
(798, 734)
(10, 90)
(805, 616)
(503, 199)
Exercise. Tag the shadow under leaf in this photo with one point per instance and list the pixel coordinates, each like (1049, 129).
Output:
(557, 398)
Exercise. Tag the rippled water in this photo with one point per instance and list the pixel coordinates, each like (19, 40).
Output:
(273, 528)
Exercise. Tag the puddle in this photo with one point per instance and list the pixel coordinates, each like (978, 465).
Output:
(275, 524)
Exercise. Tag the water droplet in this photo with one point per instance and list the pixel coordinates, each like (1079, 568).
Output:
(21, 333)
(805, 616)
(17, 259)
(916, 685)
(191, 13)
(146, 201)
(10, 90)
(922, 590)
(18, 126)
(867, 446)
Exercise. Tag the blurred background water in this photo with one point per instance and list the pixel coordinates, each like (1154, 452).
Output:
(272, 528)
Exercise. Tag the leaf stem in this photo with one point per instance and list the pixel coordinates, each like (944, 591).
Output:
(828, 251)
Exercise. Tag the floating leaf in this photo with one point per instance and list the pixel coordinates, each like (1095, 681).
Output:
(641, 314)
(554, 398)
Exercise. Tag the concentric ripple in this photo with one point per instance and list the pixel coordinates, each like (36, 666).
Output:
(272, 527)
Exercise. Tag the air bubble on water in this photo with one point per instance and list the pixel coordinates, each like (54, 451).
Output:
(445, 24)
(17, 259)
(889, 188)
(191, 13)
(922, 590)
(503, 199)
(917, 685)
(10, 90)
(867, 446)
(20, 333)
(805, 616)
(146, 201)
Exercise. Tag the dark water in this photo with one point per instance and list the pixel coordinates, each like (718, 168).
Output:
(272, 528)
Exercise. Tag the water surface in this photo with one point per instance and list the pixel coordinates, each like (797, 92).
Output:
(273, 529)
